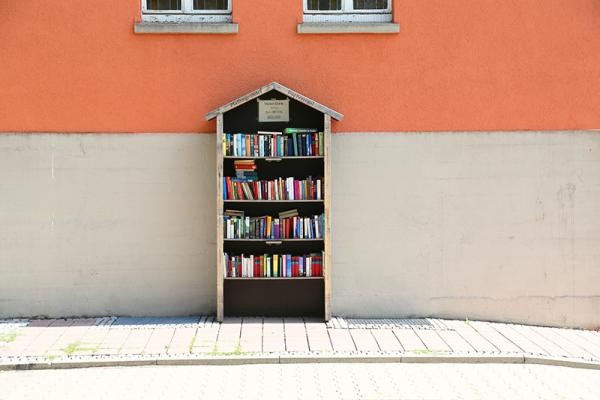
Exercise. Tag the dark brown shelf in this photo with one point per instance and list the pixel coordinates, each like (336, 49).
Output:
(273, 240)
(273, 201)
(276, 278)
(274, 158)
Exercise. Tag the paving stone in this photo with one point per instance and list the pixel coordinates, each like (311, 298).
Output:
(409, 340)
(155, 321)
(273, 335)
(432, 340)
(46, 339)
(363, 340)
(182, 341)
(251, 335)
(136, 341)
(473, 337)
(210, 321)
(495, 337)
(386, 340)
(84, 322)
(570, 347)
(518, 339)
(41, 338)
(295, 335)
(105, 321)
(341, 340)
(40, 323)
(92, 339)
(159, 340)
(228, 340)
(206, 340)
(59, 323)
(69, 341)
(592, 336)
(587, 342)
(24, 339)
(113, 341)
(318, 338)
(455, 341)
(540, 339)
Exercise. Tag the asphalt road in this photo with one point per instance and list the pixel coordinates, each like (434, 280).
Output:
(306, 381)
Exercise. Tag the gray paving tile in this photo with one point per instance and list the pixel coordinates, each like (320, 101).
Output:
(364, 340)
(341, 340)
(473, 337)
(386, 340)
(496, 338)
(409, 340)
(518, 339)
(155, 321)
(432, 340)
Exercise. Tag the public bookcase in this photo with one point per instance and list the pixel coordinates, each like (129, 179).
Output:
(273, 181)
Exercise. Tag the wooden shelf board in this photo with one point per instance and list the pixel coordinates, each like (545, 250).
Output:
(273, 240)
(273, 201)
(299, 278)
(274, 158)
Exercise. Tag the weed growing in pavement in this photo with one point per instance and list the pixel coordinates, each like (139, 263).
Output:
(75, 347)
(8, 337)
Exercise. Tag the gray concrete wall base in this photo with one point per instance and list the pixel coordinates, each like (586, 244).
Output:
(107, 224)
(492, 226)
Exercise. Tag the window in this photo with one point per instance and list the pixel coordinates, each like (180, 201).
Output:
(347, 10)
(186, 10)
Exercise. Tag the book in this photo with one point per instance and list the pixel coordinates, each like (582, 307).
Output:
(268, 133)
(269, 227)
(249, 188)
(273, 265)
(292, 142)
(233, 213)
(299, 130)
(288, 213)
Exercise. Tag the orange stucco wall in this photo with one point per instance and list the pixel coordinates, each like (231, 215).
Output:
(77, 66)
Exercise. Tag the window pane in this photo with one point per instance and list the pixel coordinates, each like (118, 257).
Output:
(163, 4)
(210, 4)
(324, 5)
(370, 4)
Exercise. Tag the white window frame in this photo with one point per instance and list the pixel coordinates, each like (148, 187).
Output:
(186, 14)
(348, 14)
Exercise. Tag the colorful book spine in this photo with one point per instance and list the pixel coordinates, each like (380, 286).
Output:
(295, 142)
(273, 265)
(248, 188)
(269, 227)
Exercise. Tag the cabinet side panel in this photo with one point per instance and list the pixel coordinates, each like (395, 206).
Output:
(327, 258)
(220, 265)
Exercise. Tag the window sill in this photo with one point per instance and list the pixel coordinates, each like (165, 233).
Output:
(348, 27)
(185, 28)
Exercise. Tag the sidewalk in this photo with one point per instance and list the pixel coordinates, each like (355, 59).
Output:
(109, 341)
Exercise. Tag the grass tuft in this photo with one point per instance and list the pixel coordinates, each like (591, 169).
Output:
(8, 337)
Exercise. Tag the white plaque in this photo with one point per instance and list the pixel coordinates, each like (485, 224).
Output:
(274, 110)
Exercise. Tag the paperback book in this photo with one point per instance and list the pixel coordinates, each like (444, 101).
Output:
(245, 188)
(293, 142)
(273, 265)
(286, 226)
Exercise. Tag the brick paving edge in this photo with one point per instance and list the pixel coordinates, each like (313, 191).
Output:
(302, 359)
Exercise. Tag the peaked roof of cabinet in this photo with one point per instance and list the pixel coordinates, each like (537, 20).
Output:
(281, 89)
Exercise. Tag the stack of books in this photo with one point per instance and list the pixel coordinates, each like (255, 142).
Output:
(273, 265)
(289, 225)
(245, 169)
(295, 142)
(277, 189)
